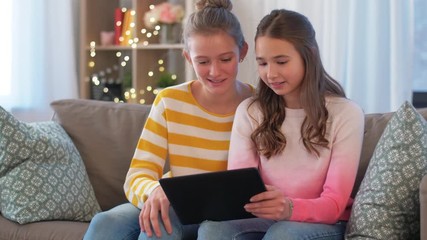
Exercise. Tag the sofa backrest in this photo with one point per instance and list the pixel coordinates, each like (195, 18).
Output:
(106, 134)
(375, 124)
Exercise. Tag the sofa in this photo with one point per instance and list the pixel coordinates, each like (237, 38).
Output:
(106, 133)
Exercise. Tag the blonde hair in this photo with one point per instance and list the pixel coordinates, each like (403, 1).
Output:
(212, 16)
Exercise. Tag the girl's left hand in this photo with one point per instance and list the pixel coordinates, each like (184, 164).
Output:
(271, 204)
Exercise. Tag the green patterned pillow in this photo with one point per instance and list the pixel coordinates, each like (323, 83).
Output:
(387, 203)
(42, 176)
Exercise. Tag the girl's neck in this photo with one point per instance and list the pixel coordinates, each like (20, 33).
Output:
(292, 101)
(223, 104)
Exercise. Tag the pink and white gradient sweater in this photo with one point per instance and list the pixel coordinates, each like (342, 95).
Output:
(319, 187)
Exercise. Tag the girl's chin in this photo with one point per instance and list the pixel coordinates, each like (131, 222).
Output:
(279, 92)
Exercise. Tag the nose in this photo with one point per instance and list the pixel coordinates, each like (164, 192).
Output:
(271, 71)
(214, 69)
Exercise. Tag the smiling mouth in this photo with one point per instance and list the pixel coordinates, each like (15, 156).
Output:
(276, 84)
(216, 81)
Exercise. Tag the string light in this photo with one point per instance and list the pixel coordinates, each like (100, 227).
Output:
(92, 53)
(130, 95)
(95, 81)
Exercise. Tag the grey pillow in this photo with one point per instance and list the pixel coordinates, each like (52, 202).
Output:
(387, 203)
(105, 134)
(42, 176)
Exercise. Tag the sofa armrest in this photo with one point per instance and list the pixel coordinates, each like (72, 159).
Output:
(423, 208)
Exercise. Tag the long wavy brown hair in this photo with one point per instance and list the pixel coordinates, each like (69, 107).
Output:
(317, 83)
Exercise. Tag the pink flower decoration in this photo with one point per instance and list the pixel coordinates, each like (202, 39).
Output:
(164, 13)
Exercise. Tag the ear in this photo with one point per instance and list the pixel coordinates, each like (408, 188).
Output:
(187, 56)
(244, 50)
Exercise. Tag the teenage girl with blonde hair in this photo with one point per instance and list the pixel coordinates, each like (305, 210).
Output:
(189, 123)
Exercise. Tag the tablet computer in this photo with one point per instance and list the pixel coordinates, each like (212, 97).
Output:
(216, 196)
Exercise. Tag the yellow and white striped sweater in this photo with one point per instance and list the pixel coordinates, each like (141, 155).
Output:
(178, 128)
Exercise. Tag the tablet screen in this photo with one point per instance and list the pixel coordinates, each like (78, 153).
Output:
(216, 196)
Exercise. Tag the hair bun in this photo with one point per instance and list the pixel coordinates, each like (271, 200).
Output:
(202, 4)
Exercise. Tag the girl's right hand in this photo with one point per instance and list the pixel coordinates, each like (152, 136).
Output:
(271, 204)
(156, 203)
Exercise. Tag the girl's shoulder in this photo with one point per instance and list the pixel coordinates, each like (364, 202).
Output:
(249, 107)
(184, 87)
(181, 91)
(342, 106)
(249, 102)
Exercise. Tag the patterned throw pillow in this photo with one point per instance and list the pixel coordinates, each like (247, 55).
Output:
(42, 176)
(387, 203)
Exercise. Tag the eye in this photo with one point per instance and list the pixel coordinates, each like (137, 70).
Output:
(262, 64)
(282, 62)
(226, 59)
(202, 62)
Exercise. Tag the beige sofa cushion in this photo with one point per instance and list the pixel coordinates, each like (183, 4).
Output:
(52, 230)
(105, 134)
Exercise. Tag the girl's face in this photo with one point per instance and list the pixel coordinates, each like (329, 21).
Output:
(281, 68)
(215, 60)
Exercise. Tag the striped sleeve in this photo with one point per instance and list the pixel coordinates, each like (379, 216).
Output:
(149, 158)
